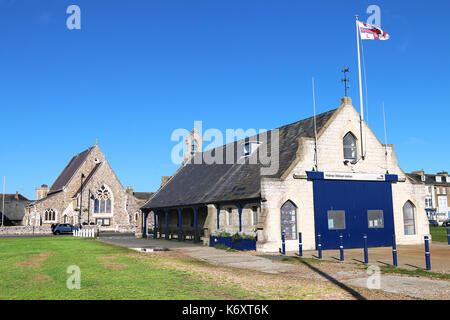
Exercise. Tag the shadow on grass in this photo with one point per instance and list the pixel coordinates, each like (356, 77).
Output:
(341, 285)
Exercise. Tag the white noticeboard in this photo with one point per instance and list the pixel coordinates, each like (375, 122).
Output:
(354, 176)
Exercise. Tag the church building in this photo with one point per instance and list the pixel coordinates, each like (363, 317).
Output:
(350, 184)
(87, 192)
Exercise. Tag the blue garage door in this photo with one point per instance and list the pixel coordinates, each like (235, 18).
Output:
(353, 208)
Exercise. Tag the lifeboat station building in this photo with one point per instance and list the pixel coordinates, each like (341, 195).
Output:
(350, 184)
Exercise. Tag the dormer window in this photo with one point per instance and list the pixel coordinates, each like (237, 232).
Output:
(249, 148)
(422, 178)
(438, 179)
(350, 149)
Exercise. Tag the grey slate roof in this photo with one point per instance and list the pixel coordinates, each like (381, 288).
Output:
(430, 179)
(70, 169)
(143, 195)
(195, 184)
(14, 208)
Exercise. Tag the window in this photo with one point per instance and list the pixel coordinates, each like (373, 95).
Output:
(428, 202)
(289, 220)
(255, 215)
(438, 179)
(50, 215)
(247, 148)
(408, 218)
(230, 216)
(350, 149)
(102, 203)
(422, 178)
(336, 220)
(375, 218)
(250, 147)
(103, 221)
(194, 146)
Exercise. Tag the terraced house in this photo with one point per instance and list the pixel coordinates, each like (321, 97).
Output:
(353, 186)
(87, 192)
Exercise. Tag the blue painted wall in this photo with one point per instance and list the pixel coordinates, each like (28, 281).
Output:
(355, 197)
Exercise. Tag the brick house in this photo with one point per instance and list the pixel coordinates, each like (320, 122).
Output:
(347, 191)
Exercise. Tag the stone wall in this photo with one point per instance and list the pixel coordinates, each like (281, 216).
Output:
(24, 230)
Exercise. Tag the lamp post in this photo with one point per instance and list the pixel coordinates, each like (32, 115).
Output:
(81, 199)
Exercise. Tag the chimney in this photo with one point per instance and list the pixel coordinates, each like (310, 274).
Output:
(17, 195)
(129, 190)
(443, 173)
(42, 192)
(164, 180)
(420, 172)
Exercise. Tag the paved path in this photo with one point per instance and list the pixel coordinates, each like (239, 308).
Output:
(409, 257)
(211, 255)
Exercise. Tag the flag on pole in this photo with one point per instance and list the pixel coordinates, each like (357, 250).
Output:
(371, 32)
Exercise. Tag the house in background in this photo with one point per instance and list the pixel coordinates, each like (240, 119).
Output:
(14, 208)
(351, 192)
(437, 193)
(87, 191)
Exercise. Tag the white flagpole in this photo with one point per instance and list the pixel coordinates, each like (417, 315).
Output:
(385, 140)
(3, 208)
(360, 88)
(315, 129)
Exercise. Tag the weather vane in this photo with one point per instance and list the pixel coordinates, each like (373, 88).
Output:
(345, 80)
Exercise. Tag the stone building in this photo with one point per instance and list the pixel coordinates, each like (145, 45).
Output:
(437, 193)
(351, 186)
(14, 209)
(87, 192)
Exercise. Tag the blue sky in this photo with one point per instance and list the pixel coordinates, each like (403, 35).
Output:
(137, 70)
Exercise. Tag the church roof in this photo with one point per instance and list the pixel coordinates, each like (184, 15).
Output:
(70, 169)
(197, 184)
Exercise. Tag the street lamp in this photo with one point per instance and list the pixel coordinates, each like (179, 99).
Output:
(81, 199)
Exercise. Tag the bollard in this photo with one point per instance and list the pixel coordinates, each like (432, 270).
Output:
(341, 247)
(394, 251)
(319, 245)
(283, 244)
(448, 235)
(300, 245)
(366, 253)
(427, 253)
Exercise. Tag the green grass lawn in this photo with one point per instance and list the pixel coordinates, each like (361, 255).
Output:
(438, 234)
(36, 268)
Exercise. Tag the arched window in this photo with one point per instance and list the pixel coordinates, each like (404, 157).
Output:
(350, 149)
(289, 220)
(194, 146)
(408, 218)
(102, 203)
(49, 215)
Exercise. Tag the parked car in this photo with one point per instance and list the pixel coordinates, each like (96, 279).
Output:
(433, 223)
(61, 228)
(446, 223)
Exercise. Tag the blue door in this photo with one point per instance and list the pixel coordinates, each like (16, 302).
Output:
(353, 208)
